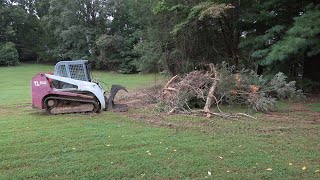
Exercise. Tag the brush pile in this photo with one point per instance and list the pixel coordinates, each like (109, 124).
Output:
(197, 91)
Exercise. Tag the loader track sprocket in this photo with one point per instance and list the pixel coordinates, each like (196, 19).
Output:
(67, 105)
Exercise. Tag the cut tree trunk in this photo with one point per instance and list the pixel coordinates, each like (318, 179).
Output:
(211, 97)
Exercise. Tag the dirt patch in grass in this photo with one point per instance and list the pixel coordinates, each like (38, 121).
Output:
(274, 129)
(295, 117)
(298, 113)
(6, 111)
(303, 107)
(279, 116)
(151, 119)
(24, 105)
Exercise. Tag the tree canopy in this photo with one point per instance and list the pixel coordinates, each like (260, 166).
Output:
(163, 35)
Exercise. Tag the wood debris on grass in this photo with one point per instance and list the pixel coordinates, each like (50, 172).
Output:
(202, 85)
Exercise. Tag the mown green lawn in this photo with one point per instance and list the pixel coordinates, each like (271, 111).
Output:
(127, 146)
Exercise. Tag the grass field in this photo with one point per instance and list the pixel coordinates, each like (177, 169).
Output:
(142, 144)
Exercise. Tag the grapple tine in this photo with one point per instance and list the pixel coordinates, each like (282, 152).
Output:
(113, 92)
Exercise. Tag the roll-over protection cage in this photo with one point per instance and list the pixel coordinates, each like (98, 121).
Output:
(78, 70)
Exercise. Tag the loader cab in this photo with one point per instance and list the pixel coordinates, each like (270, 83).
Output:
(78, 70)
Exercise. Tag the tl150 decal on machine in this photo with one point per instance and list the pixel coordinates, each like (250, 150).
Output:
(39, 83)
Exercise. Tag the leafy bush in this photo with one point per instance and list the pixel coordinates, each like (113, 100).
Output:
(259, 93)
(8, 54)
(115, 53)
(150, 56)
(284, 90)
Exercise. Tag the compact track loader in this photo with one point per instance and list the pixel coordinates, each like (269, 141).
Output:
(70, 89)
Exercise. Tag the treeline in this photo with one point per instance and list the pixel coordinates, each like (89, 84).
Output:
(165, 35)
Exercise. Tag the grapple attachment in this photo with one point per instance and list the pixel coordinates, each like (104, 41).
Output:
(116, 107)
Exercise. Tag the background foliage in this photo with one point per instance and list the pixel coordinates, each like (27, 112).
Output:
(8, 54)
(168, 35)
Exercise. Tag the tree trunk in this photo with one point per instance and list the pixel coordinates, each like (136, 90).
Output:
(211, 96)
